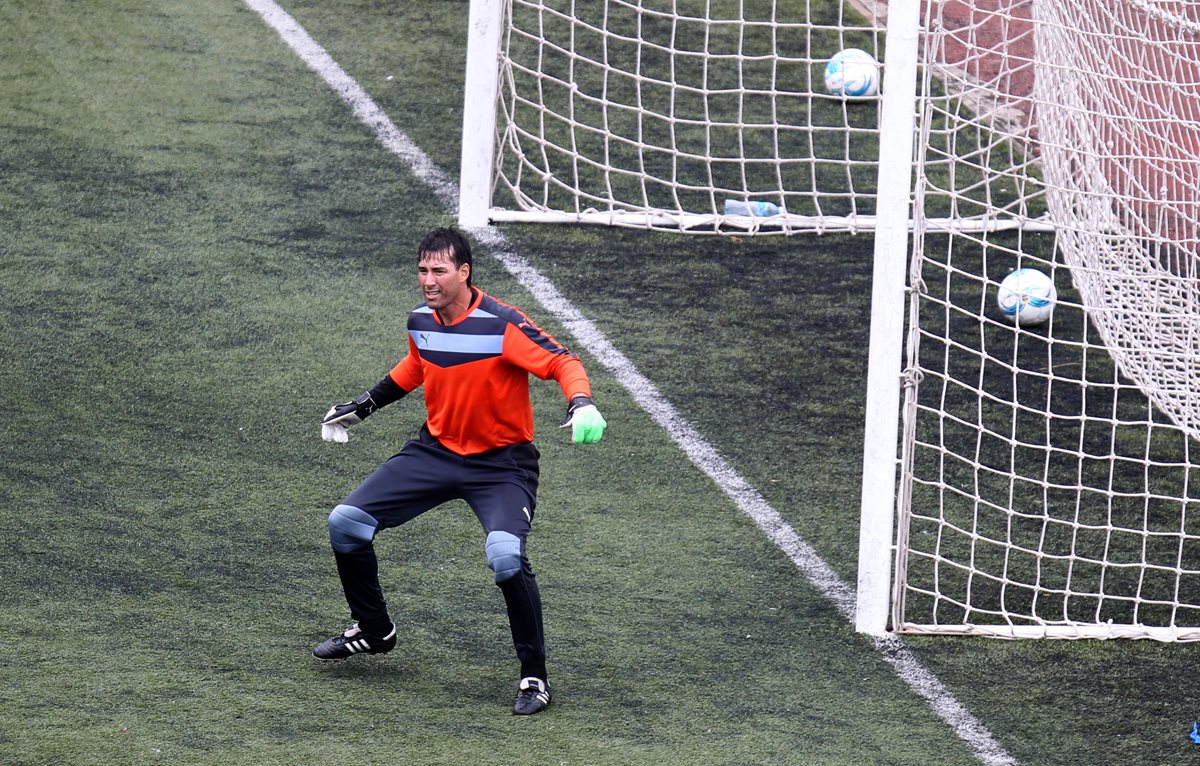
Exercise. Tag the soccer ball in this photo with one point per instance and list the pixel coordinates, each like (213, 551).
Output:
(1026, 296)
(852, 73)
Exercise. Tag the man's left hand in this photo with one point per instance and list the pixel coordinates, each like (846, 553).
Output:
(587, 424)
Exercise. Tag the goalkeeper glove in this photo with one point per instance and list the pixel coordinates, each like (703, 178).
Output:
(342, 416)
(587, 424)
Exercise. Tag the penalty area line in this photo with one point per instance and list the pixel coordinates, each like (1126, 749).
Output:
(698, 449)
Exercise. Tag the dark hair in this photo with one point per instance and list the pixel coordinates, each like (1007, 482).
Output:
(449, 242)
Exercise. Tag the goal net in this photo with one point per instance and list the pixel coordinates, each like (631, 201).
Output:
(1020, 480)
(1050, 476)
(657, 113)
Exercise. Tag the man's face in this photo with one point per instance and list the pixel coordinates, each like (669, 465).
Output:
(443, 283)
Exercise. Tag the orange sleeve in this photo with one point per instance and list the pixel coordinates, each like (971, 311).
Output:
(572, 378)
(532, 355)
(408, 373)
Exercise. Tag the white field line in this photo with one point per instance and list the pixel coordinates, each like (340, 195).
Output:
(643, 391)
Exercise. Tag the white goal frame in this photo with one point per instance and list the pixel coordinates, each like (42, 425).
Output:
(1052, 189)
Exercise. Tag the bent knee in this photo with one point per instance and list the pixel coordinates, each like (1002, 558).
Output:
(503, 554)
(351, 528)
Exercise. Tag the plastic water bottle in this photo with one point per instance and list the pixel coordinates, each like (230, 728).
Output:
(756, 208)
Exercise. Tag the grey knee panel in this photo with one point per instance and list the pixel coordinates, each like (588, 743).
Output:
(351, 528)
(503, 554)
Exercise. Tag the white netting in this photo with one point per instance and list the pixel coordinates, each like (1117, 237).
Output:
(1049, 473)
(1125, 189)
(1049, 480)
(654, 114)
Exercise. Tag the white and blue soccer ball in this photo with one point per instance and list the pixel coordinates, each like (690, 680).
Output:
(852, 73)
(1027, 296)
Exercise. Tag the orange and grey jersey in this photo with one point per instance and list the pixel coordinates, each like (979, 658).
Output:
(476, 373)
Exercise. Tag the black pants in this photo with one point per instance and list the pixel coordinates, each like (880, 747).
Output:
(500, 486)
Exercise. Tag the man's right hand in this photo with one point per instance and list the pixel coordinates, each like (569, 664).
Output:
(342, 416)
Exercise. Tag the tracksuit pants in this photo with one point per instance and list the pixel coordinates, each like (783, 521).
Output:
(500, 486)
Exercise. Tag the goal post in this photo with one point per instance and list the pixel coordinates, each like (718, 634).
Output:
(1019, 480)
(878, 501)
(479, 111)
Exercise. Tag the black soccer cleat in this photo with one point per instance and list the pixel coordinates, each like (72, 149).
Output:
(354, 641)
(533, 696)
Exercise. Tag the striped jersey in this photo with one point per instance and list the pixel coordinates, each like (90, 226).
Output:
(476, 373)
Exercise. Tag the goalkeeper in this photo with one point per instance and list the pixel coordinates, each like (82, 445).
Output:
(473, 355)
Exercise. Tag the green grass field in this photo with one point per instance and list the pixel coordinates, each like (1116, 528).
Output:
(202, 249)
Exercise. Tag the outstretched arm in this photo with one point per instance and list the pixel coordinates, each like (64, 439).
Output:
(546, 358)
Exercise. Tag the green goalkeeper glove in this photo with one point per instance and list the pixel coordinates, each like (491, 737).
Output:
(587, 424)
